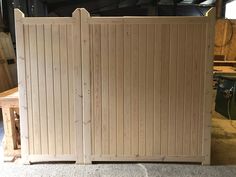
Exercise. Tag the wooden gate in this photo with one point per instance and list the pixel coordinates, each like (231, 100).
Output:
(50, 88)
(115, 88)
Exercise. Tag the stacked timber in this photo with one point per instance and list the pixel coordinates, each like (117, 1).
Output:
(8, 76)
(225, 39)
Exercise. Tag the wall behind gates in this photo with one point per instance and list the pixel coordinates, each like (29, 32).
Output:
(115, 88)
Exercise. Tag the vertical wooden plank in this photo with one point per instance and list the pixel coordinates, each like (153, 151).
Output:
(50, 88)
(201, 91)
(208, 86)
(112, 89)
(6, 69)
(57, 88)
(120, 88)
(105, 88)
(180, 88)
(188, 89)
(35, 88)
(70, 51)
(42, 88)
(127, 89)
(64, 89)
(142, 88)
(86, 85)
(134, 89)
(91, 26)
(3, 56)
(197, 33)
(78, 93)
(150, 90)
(157, 90)
(97, 118)
(172, 89)
(29, 90)
(9, 130)
(165, 63)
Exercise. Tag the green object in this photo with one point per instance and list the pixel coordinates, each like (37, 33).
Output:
(226, 96)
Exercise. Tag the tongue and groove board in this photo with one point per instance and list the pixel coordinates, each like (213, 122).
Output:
(115, 88)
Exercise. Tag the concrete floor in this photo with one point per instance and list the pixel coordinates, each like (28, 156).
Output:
(223, 153)
(223, 146)
(115, 170)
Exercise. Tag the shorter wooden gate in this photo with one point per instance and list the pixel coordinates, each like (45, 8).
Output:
(115, 88)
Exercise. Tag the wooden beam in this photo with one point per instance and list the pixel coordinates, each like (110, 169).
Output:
(208, 87)
(22, 85)
(85, 55)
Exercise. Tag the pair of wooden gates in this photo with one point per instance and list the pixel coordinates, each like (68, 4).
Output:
(115, 88)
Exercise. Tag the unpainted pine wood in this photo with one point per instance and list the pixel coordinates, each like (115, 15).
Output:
(92, 86)
(5, 67)
(29, 90)
(78, 93)
(208, 87)
(188, 89)
(127, 89)
(9, 94)
(147, 20)
(8, 53)
(152, 159)
(48, 20)
(134, 89)
(226, 37)
(230, 56)
(157, 91)
(56, 42)
(112, 90)
(172, 89)
(50, 89)
(105, 88)
(223, 30)
(195, 89)
(165, 63)
(35, 88)
(9, 131)
(222, 35)
(86, 85)
(127, 74)
(201, 91)
(42, 88)
(97, 89)
(71, 92)
(142, 88)
(42, 158)
(4, 83)
(7, 46)
(64, 89)
(150, 89)
(120, 87)
(180, 92)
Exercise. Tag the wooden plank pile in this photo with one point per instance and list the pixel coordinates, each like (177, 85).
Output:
(225, 39)
(8, 72)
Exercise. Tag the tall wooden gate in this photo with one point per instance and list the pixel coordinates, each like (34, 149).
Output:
(115, 88)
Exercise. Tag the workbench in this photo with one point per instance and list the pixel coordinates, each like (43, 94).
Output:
(9, 102)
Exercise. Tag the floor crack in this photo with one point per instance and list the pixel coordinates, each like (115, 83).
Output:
(144, 168)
